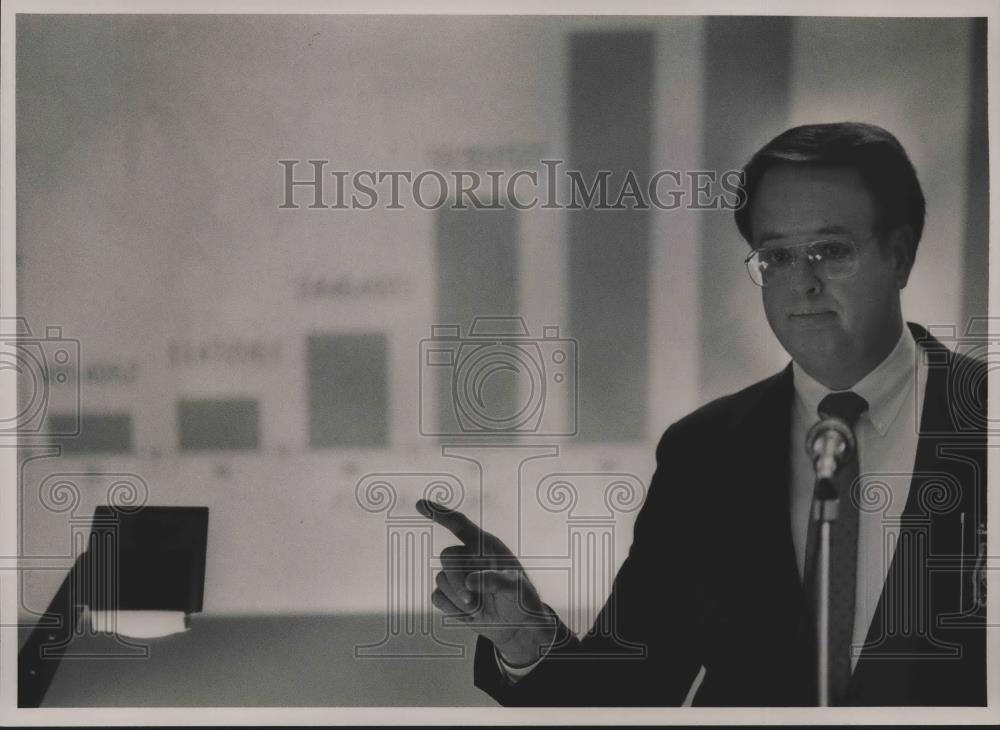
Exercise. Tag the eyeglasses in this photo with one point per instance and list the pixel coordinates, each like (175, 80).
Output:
(830, 258)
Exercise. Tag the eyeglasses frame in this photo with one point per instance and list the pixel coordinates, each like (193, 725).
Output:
(851, 239)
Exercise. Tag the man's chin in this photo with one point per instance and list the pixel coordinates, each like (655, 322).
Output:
(815, 343)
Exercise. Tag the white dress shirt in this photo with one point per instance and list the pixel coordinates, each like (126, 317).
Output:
(887, 435)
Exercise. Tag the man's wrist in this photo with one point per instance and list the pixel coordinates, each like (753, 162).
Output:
(513, 674)
(518, 661)
(532, 647)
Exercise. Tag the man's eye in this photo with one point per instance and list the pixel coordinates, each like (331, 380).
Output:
(832, 250)
(776, 257)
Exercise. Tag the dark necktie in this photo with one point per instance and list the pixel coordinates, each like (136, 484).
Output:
(843, 550)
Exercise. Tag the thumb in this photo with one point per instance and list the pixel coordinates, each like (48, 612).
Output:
(493, 581)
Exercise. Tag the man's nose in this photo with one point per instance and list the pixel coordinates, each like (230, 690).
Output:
(804, 279)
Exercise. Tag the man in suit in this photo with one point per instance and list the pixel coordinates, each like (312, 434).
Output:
(722, 571)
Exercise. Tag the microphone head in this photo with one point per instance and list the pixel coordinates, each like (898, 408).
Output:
(829, 429)
(828, 444)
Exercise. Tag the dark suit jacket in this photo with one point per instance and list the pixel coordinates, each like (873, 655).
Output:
(711, 577)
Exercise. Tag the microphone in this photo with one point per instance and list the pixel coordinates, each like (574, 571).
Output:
(828, 444)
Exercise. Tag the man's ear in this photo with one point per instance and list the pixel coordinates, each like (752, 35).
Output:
(899, 247)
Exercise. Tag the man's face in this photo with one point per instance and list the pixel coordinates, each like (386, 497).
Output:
(839, 329)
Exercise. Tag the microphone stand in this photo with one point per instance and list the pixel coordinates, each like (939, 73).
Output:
(828, 443)
(826, 507)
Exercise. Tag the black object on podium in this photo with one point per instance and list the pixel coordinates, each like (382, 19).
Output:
(152, 558)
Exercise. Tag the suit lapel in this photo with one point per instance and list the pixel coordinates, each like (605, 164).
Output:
(777, 614)
(903, 635)
(768, 432)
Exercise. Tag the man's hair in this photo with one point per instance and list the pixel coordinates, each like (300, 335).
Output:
(876, 154)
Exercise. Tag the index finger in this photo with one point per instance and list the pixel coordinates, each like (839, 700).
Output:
(460, 526)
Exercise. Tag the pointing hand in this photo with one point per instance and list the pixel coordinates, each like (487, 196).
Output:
(483, 584)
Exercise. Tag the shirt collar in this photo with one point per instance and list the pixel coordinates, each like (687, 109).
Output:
(884, 388)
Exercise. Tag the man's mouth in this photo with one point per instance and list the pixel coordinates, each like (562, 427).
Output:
(813, 314)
